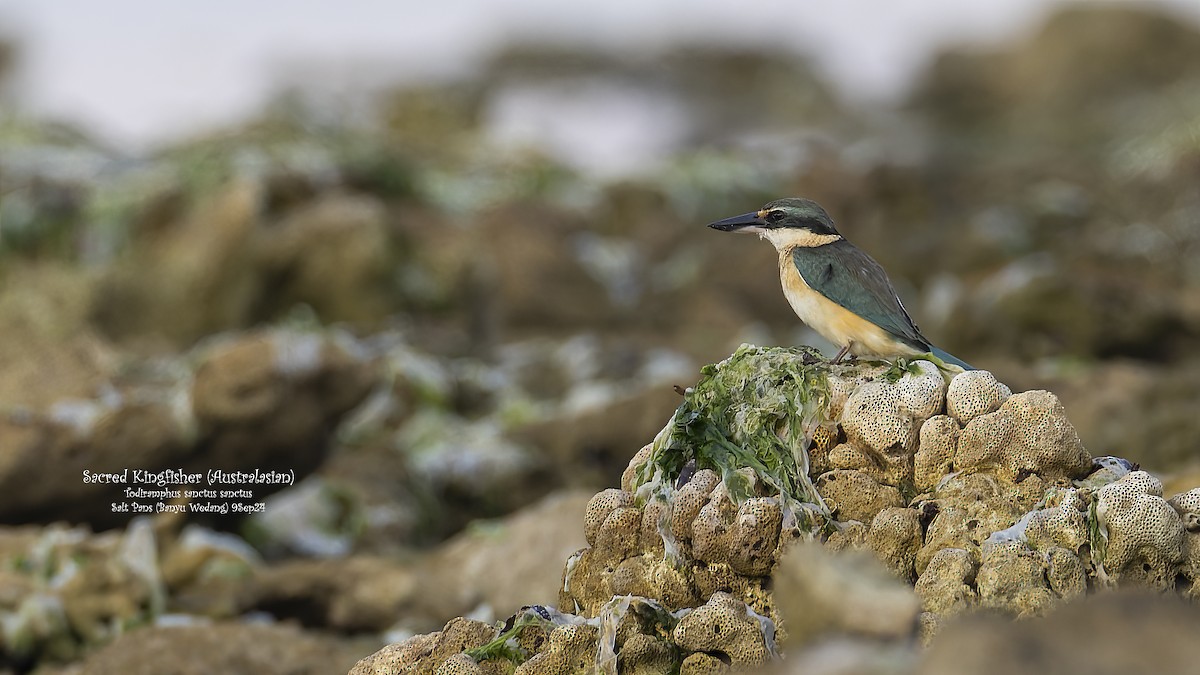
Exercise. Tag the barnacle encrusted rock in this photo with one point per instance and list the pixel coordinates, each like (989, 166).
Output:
(600, 507)
(1012, 577)
(1029, 434)
(423, 654)
(570, 649)
(1144, 533)
(1187, 505)
(725, 625)
(882, 419)
(973, 393)
(895, 537)
(979, 497)
(853, 495)
(1064, 525)
(645, 655)
(947, 586)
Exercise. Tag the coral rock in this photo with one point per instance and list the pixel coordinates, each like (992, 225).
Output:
(1064, 525)
(645, 655)
(947, 584)
(895, 537)
(459, 664)
(853, 495)
(1012, 577)
(423, 654)
(699, 663)
(1145, 534)
(724, 624)
(600, 507)
(689, 499)
(629, 476)
(883, 419)
(1187, 505)
(974, 393)
(1065, 573)
(935, 456)
(570, 649)
(1029, 434)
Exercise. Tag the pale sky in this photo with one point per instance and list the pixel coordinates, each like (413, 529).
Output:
(140, 71)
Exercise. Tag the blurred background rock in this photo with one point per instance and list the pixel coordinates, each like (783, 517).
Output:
(445, 261)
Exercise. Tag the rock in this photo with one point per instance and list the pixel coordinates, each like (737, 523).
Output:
(569, 649)
(70, 590)
(168, 286)
(883, 420)
(267, 401)
(50, 356)
(1187, 505)
(725, 626)
(600, 508)
(1144, 534)
(423, 654)
(272, 400)
(644, 655)
(232, 648)
(743, 536)
(359, 593)
(700, 663)
(1013, 577)
(947, 586)
(935, 455)
(334, 254)
(712, 538)
(896, 538)
(1064, 525)
(820, 594)
(1028, 434)
(852, 495)
(501, 565)
(974, 393)
(1109, 624)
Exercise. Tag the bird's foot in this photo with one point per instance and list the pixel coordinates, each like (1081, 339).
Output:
(837, 359)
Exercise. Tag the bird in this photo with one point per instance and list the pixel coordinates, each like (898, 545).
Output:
(834, 286)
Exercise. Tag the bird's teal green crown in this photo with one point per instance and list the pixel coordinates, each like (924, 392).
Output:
(791, 212)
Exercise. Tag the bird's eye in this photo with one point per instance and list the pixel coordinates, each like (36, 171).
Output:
(774, 216)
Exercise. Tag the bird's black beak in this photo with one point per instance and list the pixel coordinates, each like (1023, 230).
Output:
(752, 219)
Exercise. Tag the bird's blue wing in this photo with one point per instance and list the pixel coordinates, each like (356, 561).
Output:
(852, 279)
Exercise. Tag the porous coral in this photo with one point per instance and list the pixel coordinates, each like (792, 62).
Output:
(724, 626)
(1142, 533)
(978, 496)
(974, 393)
(1029, 434)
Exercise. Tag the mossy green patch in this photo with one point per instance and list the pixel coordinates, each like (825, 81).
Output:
(506, 646)
(756, 409)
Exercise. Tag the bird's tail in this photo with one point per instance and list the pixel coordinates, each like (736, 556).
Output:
(950, 358)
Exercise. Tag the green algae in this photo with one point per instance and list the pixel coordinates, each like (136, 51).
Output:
(506, 645)
(651, 619)
(756, 409)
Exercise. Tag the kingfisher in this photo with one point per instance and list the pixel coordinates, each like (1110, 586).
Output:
(833, 286)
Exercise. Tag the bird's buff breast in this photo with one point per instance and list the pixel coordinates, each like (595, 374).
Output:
(834, 322)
